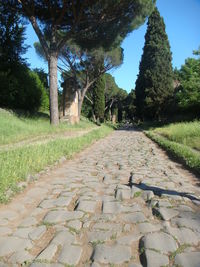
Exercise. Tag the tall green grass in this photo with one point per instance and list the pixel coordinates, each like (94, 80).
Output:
(182, 140)
(18, 163)
(187, 133)
(14, 128)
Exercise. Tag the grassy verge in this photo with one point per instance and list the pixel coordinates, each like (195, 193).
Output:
(18, 163)
(186, 133)
(183, 153)
(14, 128)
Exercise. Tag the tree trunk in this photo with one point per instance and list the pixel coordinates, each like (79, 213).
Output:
(54, 115)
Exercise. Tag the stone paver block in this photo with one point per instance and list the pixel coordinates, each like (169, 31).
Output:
(96, 236)
(129, 239)
(159, 241)
(64, 237)
(108, 226)
(29, 221)
(111, 207)
(191, 259)
(135, 217)
(147, 195)
(76, 224)
(115, 254)
(5, 231)
(48, 253)
(165, 213)
(154, 259)
(187, 222)
(37, 233)
(87, 206)
(184, 235)
(70, 255)
(12, 244)
(148, 227)
(62, 216)
(21, 257)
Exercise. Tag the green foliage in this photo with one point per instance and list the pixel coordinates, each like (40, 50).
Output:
(188, 95)
(12, 31)
(99, 99)
(130, 106)
(154, 85)
(22, 89)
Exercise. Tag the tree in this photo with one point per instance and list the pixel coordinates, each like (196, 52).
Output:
(99, 99)
(85, 67)
(188, 94)
(12, 36)
(88, 23)
(130, 106)
(154, 84)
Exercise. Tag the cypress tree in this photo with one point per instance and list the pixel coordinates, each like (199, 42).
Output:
(154, 85)
(99, 99)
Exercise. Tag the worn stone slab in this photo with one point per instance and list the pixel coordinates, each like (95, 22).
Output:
(37, 233)
(70, 255)
(48, 253)
(191, 259)
(99, 236)
(76, 224)
(20, 257)
(135, 217)
(29, 221)
(58, 202)
(166, 214)
(57, 216)
(115, 254)
(155, 259)
(159, 241)
(9, 215)
(23, 232)
(107, 226)
(5, 231)
(87, 206)
(147, 195)
(38, 264)
(111, 207)
(184, 235)
(12, 244)
(148, 227)
(129, 239)
(187, 222)
(64, 237)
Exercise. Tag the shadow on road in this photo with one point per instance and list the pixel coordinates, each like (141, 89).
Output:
(159, 191)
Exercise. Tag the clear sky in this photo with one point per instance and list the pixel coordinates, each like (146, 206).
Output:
(182, 20)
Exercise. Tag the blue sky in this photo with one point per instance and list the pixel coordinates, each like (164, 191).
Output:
(182, 20)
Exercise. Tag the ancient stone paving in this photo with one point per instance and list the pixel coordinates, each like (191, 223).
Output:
(121, 202)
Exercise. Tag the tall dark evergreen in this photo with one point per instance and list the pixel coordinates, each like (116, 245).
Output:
(154, 85)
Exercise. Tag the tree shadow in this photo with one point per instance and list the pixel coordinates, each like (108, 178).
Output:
(159, 191)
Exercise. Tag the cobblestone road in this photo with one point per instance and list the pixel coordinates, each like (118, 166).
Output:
(89, 212)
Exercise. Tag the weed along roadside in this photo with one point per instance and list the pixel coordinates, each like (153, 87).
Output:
(17, 164)
(180, 140)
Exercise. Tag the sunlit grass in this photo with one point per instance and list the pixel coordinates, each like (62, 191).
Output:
(182, 140)
(18, 163)
(14, 128)
(186, 133)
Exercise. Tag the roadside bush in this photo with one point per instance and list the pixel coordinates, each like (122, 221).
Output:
(21, 88)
